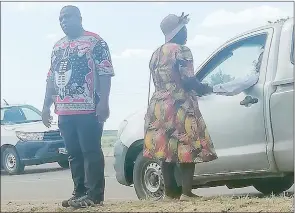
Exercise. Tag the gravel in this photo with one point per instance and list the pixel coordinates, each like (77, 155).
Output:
(211, 204)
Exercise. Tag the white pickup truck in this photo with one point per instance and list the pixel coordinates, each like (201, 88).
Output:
(253, 132)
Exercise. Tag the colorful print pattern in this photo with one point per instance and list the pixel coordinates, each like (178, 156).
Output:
(174, 127)
(73, 67)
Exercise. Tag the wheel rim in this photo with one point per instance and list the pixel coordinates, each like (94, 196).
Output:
(153, 180)
(10, 161)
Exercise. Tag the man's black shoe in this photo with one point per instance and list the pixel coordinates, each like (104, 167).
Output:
(65, 203)
(84, 202)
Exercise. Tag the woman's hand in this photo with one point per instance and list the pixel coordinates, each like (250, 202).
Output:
(202, 88)
(207, 89)
(194, 84)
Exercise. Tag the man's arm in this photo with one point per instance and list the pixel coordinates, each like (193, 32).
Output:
(104, 88)
(49, 93)
(48, 100)
(50, 90)
(236, 86)
(103, 74)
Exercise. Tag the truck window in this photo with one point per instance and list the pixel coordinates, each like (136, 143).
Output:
(292, 45)
(18, 115)
(31, 115)
(237, 60)
(12, 115)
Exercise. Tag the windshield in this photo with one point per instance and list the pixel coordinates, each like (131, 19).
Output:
(18, 115)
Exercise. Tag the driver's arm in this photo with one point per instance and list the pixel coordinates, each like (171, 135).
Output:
(236, 86)
(239, 85)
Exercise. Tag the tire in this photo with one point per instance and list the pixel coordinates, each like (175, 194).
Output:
(64, 164)
(274, 185)
(148, 179)
(11, 162)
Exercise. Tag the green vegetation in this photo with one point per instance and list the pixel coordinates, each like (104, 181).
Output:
(109, 138)
(220, 78)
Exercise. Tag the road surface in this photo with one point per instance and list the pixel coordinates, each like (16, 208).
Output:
(51, 183)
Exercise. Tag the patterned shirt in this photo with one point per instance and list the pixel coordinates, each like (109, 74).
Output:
(73, 67)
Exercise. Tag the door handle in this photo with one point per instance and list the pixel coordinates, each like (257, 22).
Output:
(248, 101)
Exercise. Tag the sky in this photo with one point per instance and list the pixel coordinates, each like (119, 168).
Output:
(132, 31)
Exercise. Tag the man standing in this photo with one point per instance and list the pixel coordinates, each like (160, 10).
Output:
(78, 84)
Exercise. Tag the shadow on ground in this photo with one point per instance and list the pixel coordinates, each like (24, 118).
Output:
(35, 171)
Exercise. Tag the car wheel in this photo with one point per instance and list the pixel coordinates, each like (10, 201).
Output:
(148, 179)
(64, 164)
(274, 185)
(11, 162)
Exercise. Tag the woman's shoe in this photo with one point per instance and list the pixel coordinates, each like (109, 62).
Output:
(168, 199)
(190, 197)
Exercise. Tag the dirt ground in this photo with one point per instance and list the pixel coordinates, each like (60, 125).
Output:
(211, 204)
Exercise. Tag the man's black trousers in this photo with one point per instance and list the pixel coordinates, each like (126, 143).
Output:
(82, 136)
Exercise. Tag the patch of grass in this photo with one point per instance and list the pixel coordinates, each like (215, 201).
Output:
(108, 141)
(109, 138)
(110, 132)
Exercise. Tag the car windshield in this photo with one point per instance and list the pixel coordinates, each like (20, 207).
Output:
(21, 114)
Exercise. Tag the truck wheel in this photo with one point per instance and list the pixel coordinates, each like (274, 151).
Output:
(274, 185)
(11, 162)
(148, 179)
(64, 164)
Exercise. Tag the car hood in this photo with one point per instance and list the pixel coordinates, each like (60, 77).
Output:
(136, 115)
(30, 127)
(134, 129)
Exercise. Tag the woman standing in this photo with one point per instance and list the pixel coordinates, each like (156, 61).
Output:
(175, 131)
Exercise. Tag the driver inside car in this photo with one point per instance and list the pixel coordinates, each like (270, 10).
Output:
(239, 85)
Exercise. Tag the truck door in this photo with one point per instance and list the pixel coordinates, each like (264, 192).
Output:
(237, 130)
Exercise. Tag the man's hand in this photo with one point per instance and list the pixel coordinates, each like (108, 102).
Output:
(46, 118)
(102, 111)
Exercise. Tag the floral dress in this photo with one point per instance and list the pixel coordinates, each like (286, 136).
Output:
(174, 127)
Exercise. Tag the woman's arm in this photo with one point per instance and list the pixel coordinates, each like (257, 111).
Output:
(185, 65)
(203, 88)
(192, 83)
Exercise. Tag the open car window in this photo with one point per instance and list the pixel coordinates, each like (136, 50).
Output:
(237, 60)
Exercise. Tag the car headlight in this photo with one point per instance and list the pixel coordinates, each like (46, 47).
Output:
(121, 128)
(30, 136)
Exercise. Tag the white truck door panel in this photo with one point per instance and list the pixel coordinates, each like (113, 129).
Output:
(237, 131)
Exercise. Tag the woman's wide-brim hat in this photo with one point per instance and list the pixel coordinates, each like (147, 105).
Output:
(172, 24)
